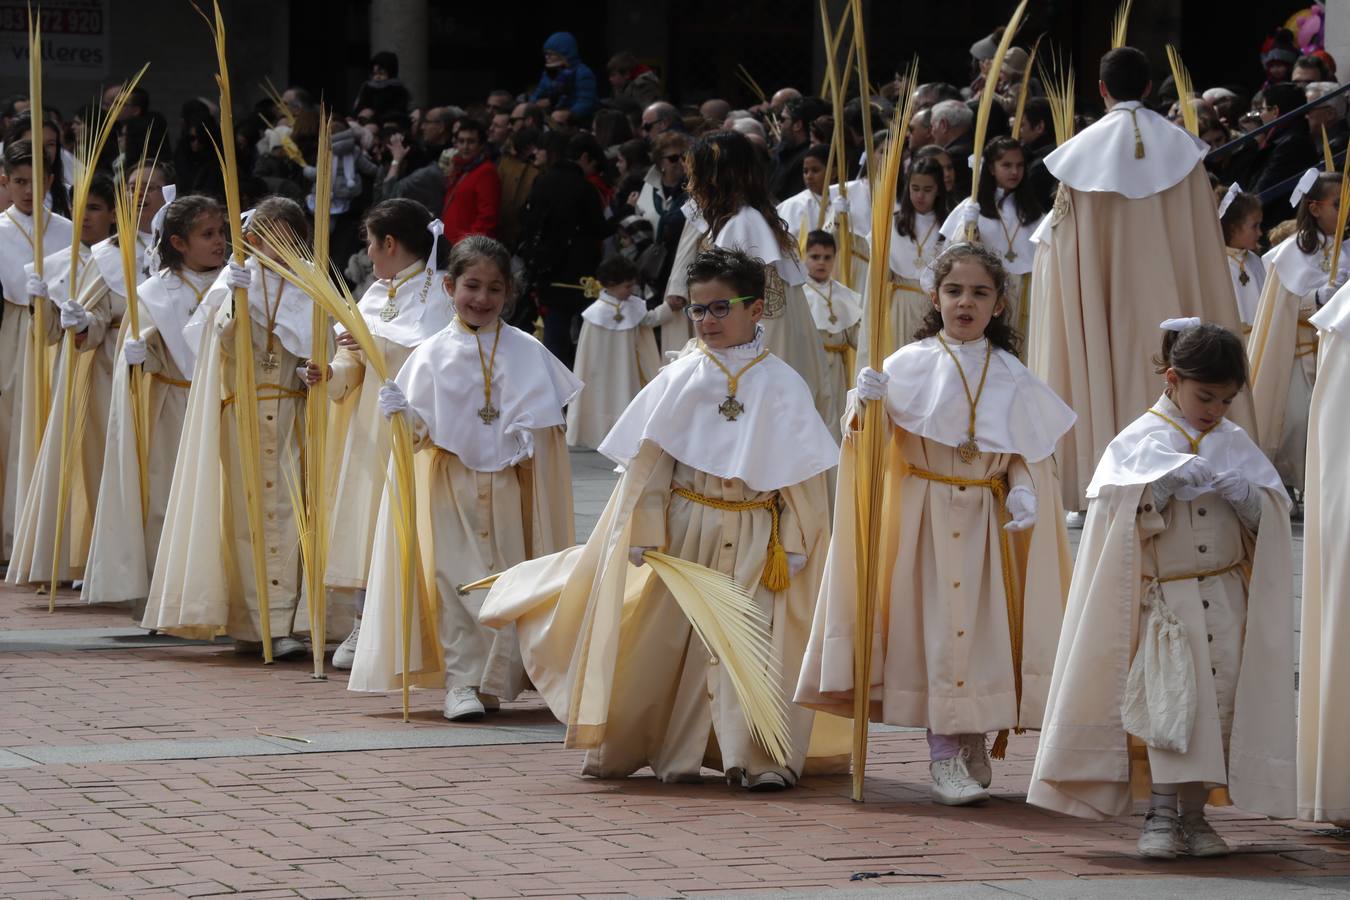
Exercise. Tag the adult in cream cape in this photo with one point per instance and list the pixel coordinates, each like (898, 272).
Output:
(19, 434)
(191, 249)
(974, 551)
(204, 582)
(1324, 669)
(1132, 240)
(616, 355)
(1004, 215)
(1175, 665)
(485, 401)
(729, 208)
(405, 306)
(1283, 343)
(837, 312)
(705, 480)
(95, 314)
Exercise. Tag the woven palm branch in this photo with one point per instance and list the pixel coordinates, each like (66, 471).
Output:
(1185, 91)
(1057, 78)
(1120, 24)
(1022, 92)
(987, 95)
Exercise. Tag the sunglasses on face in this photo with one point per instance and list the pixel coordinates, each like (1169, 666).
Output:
(718, 309)
(648, 126)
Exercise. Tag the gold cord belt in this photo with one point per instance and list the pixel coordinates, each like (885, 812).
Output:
(999, 488)
(841, 349)
(269, 392)
(1305, 346)
(1211, 573)
(171, 382)
(775, 576)
(899, 285)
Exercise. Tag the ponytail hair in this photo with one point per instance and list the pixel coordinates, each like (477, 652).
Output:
(406, 222)
(1207, 353)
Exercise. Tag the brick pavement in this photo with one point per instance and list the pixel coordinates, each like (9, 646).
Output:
(501, 820)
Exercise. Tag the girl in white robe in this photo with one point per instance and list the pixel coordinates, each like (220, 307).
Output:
(1283, 343)
(916, 242)
(204, 581)
(837, 312)
(1175, 665)
(1003, 217)
(191, 250)
(978, 562)
(1240, 217)
(405, 306)
(485, 402)
(616, 355)
(813, 207)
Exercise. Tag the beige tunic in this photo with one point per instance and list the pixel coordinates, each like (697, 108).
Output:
(1115, 268)
(615, 365)
(1283, 353)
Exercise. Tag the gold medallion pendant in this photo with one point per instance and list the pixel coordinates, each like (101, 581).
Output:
(731, 408)
(269, 362)
(1243, 278)
(489, 414)
(969, 450)
(833, 318)
(389, 311)
(618, 316)
(1010, 255)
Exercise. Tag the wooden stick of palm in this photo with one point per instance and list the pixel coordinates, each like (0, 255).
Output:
(85, 165)
(870, 441)
(833, 38)
(1022, 93)
(864, 88)
(1328, 159)
(1182, 77)
(295, 263)
(1341, 217)
(986, 106)
(245, 387)
(316, 409)
(38, 354)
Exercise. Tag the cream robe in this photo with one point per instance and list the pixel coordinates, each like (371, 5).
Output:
(910, 303)
(124, 544)
(1240, 263)
(942, 644)
(203, 581)
(473, 510)
(605, 643)
(1242, 654)
(1283, 353)
(1324, 667)
(17, 443)
(839, 339)
(358, 436)
(96, 350)
(615, 360)
(1130, 243)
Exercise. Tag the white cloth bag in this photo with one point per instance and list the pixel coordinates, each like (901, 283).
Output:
(1160, 694)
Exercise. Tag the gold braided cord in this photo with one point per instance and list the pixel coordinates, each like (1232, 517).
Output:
(732, 380)
(973, 399)
(268, 392)
(1304, 346)
(488, 364)
(1208, 573)
(1193, 441)
(771, 579)
(171, 382)
(998, 486)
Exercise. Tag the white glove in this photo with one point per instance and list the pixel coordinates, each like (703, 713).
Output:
(237, 276)
(1022, 508)
(796, 562)
(391, 400)
(134, 351)
(1195, 471)
(36, 286)
(838, 207)
(635, 555)
(1233, 486)
(971, 214)
(524, 447)
(872, 384)
(73, 315)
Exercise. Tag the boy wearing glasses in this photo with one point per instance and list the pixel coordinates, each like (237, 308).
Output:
(724, 459)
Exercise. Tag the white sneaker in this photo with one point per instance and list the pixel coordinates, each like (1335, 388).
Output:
(1161, 837)
(462, 705)
(1074, 519)
(977, 759)
(1200, 838)
(288, 648)
(767, 781)
(345, 654)
(952, 784)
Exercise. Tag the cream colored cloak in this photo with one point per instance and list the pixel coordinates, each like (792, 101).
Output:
(615, 360)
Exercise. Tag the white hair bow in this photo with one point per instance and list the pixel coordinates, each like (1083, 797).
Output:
(1233, 190)
(1304, 185)
(1179, 324)
(437, 228)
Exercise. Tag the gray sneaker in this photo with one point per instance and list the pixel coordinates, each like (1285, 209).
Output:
(288, 648)
(1161, 837)
(977, 759)
(345, 654)
(1200, 838)
(952, 784)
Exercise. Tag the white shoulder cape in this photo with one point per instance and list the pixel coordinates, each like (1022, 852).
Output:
(612, 314)
(1150, 447)
(994, 234)
(443, 381)
(747, 230)
(294, 324)
(1017, 412)
(167, 301)
(779, 439)
(1101, 157)
(833, 298)
(1300, 273)
(422, 307)
(56, 272)
(1335, 316)
(16, 248)
(905, 259)
(1249, 294)
(108, 258)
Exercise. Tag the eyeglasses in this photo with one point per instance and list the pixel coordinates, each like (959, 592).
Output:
(719, 309)
(674, 157)
(648, 126)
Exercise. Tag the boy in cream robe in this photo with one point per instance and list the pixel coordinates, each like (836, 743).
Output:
(976, 556)
(204, 580)
(1132, 239)
(1175, 667)
(616, 355)
(704, 479)
(837, 312)
(19, 434)
(1324, 667)
(124, 544)
(485, 402)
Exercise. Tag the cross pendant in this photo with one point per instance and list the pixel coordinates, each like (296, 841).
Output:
(489, 414)
(269, 362)
(731, 408)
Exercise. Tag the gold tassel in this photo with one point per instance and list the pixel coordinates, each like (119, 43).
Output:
(1138, 138)
(1000, 748)
(776, 576)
